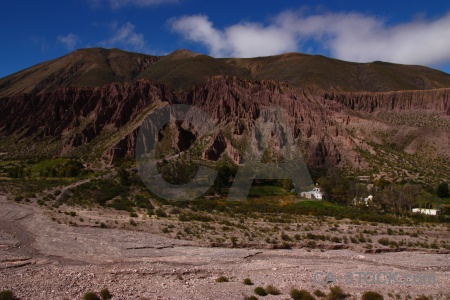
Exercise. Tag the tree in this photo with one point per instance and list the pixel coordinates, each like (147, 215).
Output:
(336, 187)
(225, 175)
(390, 198)
(124, 177)
(409, 196)
(443, 190)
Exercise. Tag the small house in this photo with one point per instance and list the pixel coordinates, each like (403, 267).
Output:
(315, 193)
(426, 211)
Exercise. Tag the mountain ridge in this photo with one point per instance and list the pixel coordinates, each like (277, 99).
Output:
(182, 69)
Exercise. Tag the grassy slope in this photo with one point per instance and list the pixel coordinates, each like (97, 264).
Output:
(331, 74)
(84, 67)
(183, 69)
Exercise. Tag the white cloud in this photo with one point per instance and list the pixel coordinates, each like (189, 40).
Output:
(200, 29)
(69, 41)
(348, 36)
(251, 39)
(125, 37)
(116, 4)
(240, 40)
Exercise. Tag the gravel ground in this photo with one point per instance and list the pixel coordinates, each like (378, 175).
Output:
(40, 259)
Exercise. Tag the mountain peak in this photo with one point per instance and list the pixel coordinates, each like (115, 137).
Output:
(182, 53)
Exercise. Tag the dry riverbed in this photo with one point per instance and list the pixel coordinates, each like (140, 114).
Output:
(41, 259)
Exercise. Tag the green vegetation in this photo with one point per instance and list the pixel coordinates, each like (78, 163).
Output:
(300, 295)
(422, 297)
(187, 71)
(91, 296)
(369, 295)
(260, 291)
(222, 279)
(247, 281)
(336, 293)
(271, 290)
(105, 294)
(319, 293)
(160, 213)
(7, 295)
(443, 190)
(101, 191)
(48, 168)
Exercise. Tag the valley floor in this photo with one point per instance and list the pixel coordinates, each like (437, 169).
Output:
(41, 259)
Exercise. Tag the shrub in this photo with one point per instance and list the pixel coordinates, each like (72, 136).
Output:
(175, 211)
(124, 177)
(160, 213)
(443, 190)
(319, 293)
(383, 241)
(271, 290)
(91, 296)
(372, 296)
(247, 281)
(422, 297)
(393, 244)
(285, 237)
(7, 295)
(336, 292)
(250, 298)
(222, 279)
(301, 295)
(122, 203)
(260, 291)
(142, 202)
(105, 294)
(335, 239)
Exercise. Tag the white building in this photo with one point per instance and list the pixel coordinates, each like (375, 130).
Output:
(426, 211)
(315, 193)
(363, 201)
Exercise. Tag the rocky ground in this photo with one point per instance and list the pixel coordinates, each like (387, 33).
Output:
(41, 259)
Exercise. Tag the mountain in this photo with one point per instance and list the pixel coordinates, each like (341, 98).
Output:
(84, 67)
(325, 73)
(183, 69)
(400, 134)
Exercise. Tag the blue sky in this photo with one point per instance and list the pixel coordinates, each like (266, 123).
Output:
(412, 32)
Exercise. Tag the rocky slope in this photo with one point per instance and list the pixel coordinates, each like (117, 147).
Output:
(356, 130)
